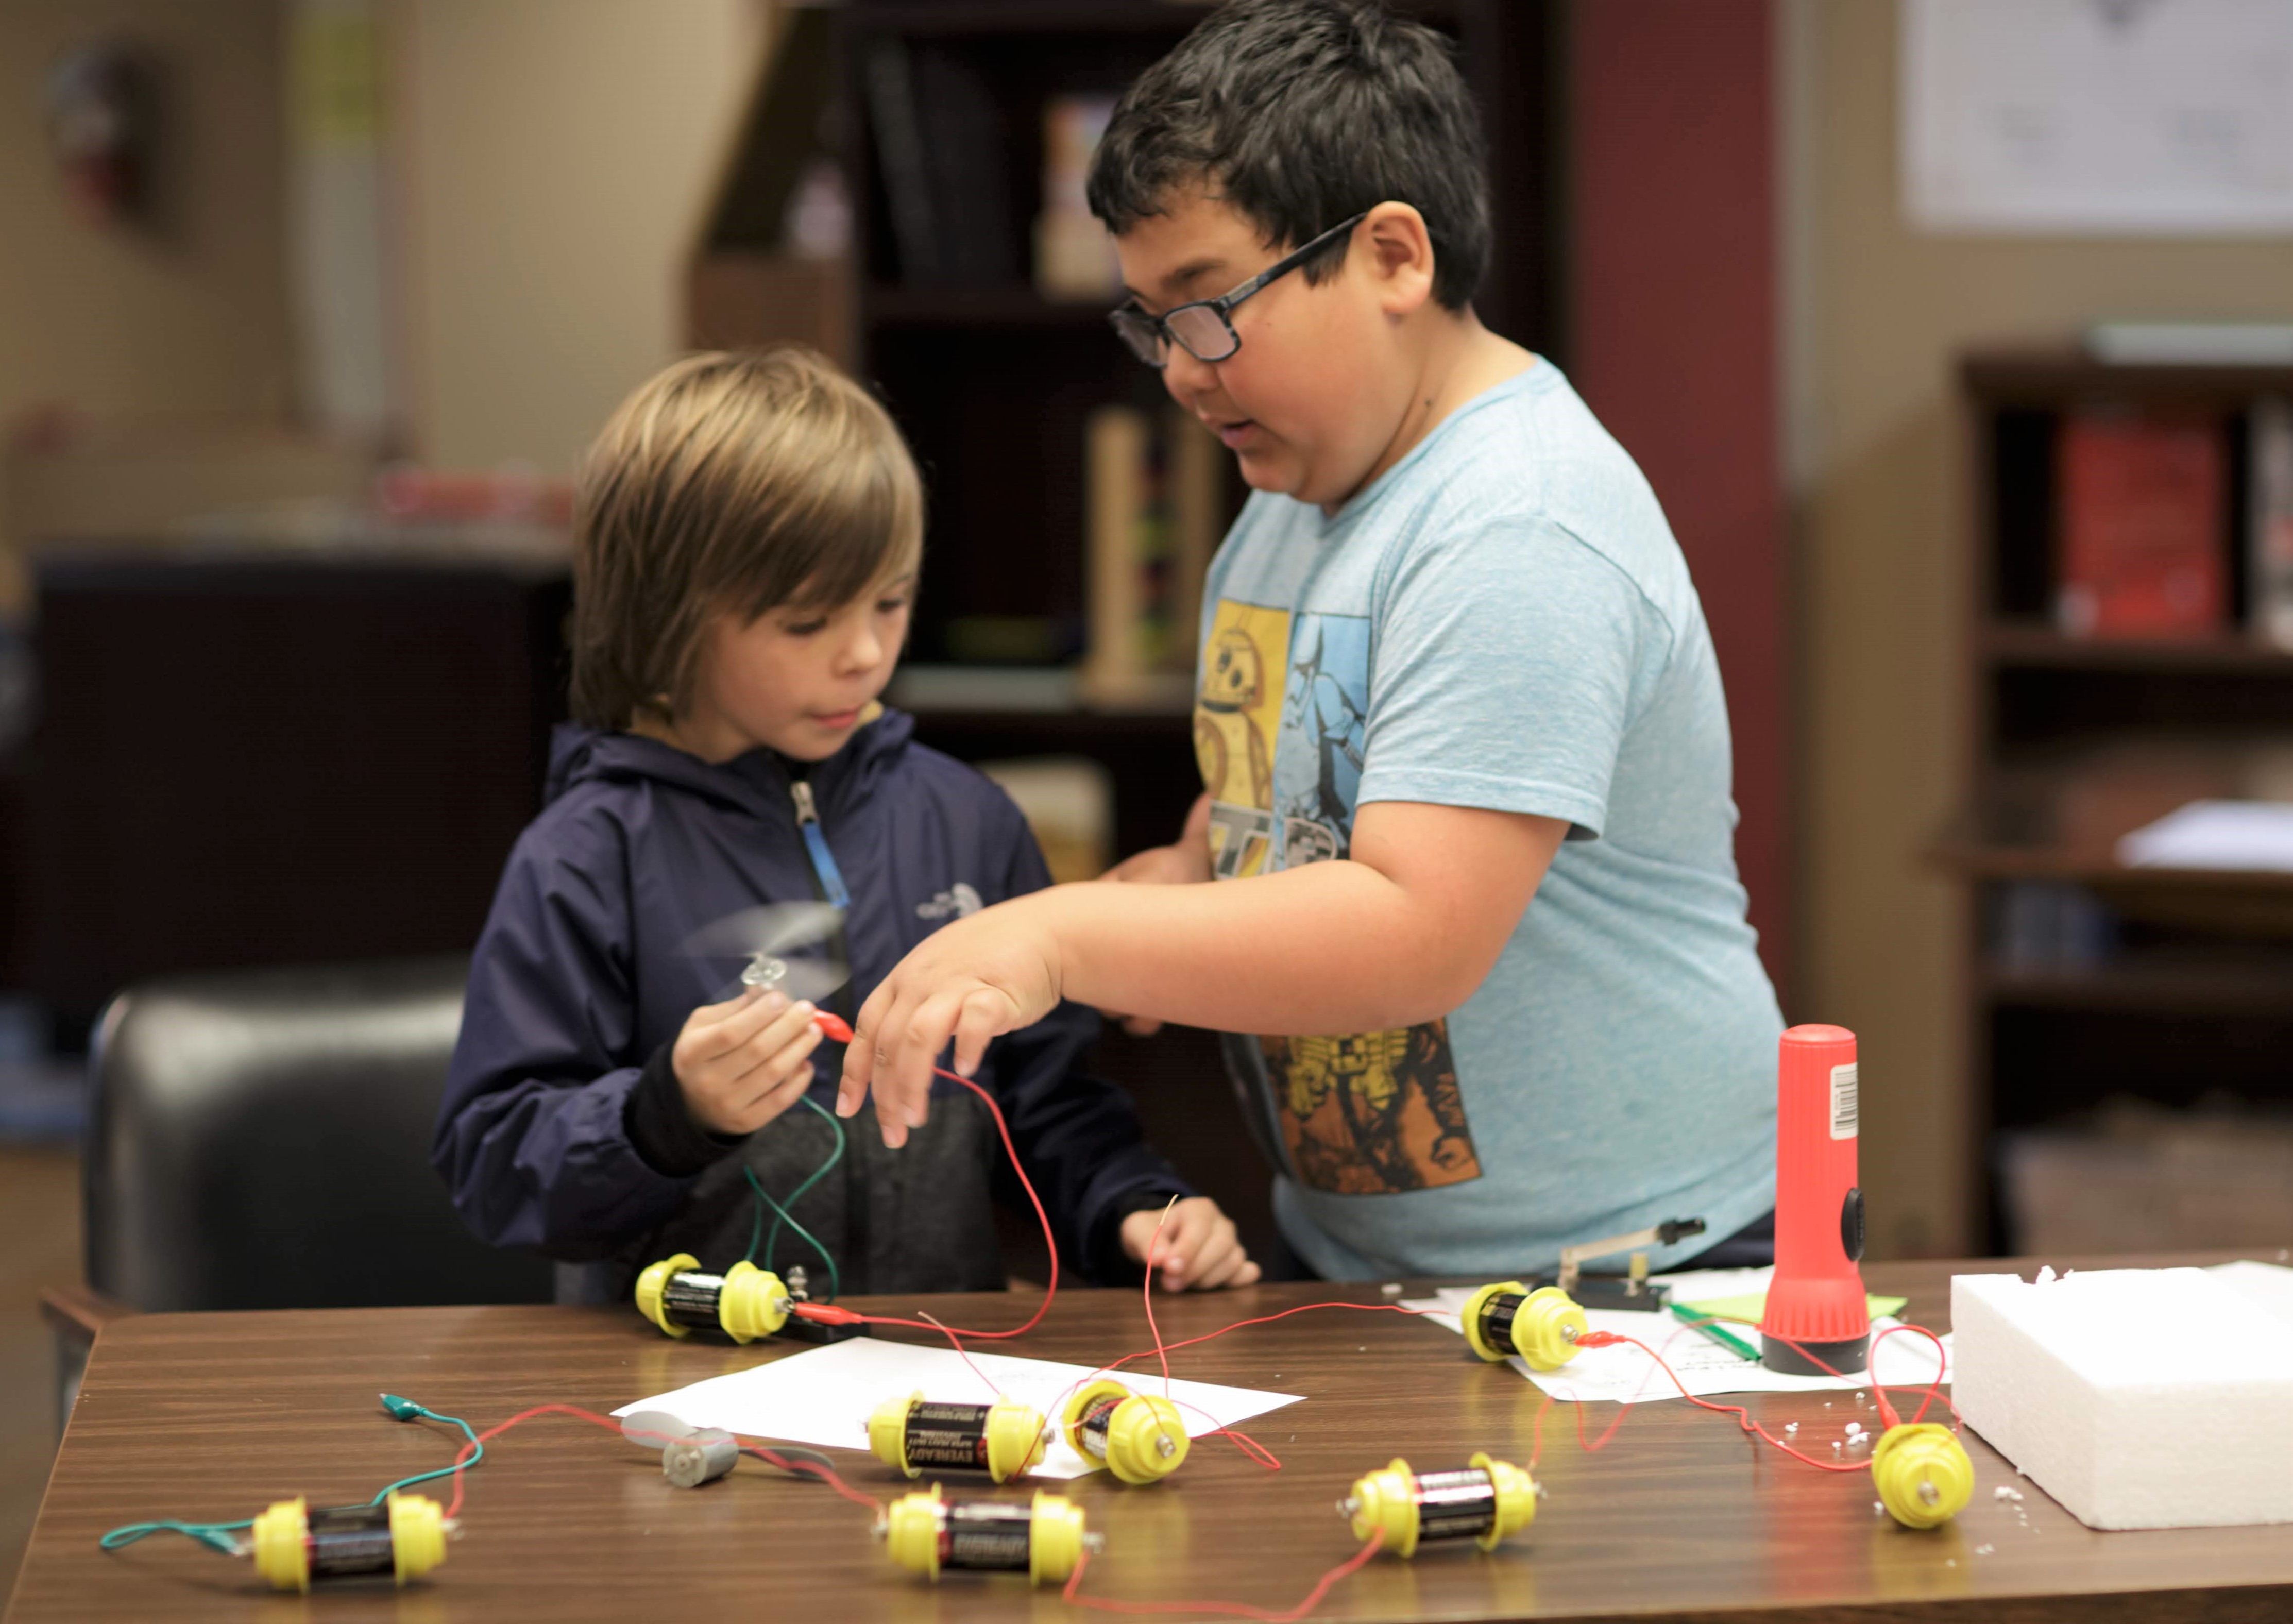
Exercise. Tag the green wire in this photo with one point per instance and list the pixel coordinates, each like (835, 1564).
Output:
(780, 1215)
(209, 1534)
(413, 1409)
(212, 1534)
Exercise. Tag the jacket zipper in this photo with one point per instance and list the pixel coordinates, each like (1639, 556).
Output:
(828, 880)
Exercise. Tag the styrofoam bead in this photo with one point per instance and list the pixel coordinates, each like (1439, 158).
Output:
(2138, 1397)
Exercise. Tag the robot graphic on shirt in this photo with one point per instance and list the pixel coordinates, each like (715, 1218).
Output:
(1235, 711)
(1237, 768)
(1373, 1113)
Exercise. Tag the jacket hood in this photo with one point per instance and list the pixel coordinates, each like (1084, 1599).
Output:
(581, 754)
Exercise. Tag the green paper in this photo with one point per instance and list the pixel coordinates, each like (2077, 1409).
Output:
(1753, 1303)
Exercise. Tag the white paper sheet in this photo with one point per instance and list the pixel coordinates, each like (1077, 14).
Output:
(824, 1396)
(1626, 1376)
(2219, 834)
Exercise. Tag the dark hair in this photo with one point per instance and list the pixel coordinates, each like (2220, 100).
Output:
(1298, 113)
(726, 482)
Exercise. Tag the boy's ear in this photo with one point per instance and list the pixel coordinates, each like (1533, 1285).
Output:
(1400, 256)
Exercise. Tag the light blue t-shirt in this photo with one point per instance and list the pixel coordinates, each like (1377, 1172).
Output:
(1501, 619)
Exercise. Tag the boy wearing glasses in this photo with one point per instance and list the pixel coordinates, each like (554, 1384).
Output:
(1476, 931)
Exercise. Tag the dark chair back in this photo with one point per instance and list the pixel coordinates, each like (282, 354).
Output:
(261, 1138)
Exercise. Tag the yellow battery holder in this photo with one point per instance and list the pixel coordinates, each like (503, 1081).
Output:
(292, 1545)
(1922, 1474)
(1542, 1325)
(1138, 1437)
(1488, 1501)
(1003, 1439)
(745, 1301)
(1044, 1539)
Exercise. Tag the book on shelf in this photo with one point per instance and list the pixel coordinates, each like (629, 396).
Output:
(1074, 256)
(1152, 513)
(2269, 521)
(2142, 504)
(940, 148)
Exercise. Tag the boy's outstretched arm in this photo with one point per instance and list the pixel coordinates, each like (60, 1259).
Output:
(1401, 931)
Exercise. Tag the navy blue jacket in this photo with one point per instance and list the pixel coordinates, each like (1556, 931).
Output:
(561, 1127)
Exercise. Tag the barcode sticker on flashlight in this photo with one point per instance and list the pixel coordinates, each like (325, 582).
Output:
(1843, 1100)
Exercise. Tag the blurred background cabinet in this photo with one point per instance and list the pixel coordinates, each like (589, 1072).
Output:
(254, 757)
(2131, 1028)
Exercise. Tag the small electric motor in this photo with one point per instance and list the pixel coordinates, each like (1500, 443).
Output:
(1045, 1539)
(1486, 1502)
(1136, 1436)
(1543, 1326)
(405, 1536)
(1003, 1439)
(1922, 1474)
(744, 1302)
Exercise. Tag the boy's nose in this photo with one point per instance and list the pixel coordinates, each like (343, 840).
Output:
(1187, 378)
(863, 653)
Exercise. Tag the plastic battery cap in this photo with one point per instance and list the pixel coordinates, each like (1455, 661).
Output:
(281, 1540)
(653, 1281)
(1546, 1325)
(911, 1531)
(754, 1303)
(1054, 1538)
(1387, 1499)
(887, 1433)
(1015, 1438)
(1922, 1474)
(1145, 1440)
(1515, 1497)
(417, 1534)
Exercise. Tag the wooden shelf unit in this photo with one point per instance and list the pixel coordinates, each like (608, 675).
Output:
(2177, 984)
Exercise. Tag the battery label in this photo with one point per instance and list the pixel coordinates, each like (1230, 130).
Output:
(1843, 1100)
(1496, 1318)
(691, 1299)
(948, 1435)
(1455, 1505)
(1092, 1432)
(985, 1534)
(347, 1539)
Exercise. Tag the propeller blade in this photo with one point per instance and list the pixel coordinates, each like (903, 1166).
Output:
(812, 980)
(775, 928)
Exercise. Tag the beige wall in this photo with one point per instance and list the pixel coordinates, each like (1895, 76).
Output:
(1877, 316)
(192, 320)
(556, 159)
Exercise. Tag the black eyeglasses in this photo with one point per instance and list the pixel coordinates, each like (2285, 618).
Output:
(1205, 328)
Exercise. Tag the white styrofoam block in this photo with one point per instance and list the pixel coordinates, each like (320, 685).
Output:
(2139, 1397)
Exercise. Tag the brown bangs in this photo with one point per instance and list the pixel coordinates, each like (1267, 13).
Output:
(739, 482)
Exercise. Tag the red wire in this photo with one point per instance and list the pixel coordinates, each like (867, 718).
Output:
(814, 1468)
(829, 1314)
(1147, 1290)
(1236, 1609)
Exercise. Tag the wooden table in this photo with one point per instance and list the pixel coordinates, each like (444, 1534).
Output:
(211, 1416)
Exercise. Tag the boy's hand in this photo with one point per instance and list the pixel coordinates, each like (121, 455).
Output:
(970, 980)
(1187, 861)
(742, 1063)
(1199, 1250)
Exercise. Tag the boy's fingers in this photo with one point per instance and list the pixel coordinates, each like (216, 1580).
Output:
(775, 1098)
(982, 1018)
(860, 1053)
(744, 1022)
(789, 1038)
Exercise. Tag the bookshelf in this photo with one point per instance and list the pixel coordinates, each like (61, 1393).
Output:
(2089, 983)
(994, 381)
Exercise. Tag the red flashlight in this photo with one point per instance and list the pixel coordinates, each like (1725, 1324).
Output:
(1815, 1298)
